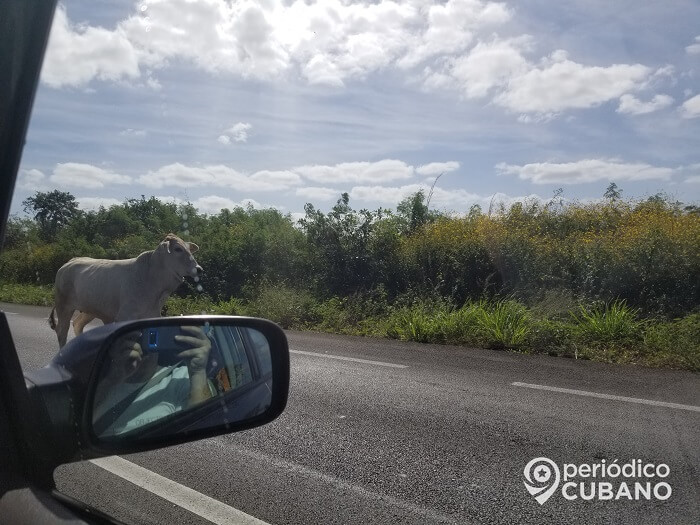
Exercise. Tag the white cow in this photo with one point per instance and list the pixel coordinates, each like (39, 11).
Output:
(120, 290)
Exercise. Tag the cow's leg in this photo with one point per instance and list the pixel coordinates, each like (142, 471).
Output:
(81, 320)
(64, 313)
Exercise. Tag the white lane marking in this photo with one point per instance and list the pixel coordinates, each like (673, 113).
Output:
(609, 396)
(343, 358)
(9, 313)
(185, 497)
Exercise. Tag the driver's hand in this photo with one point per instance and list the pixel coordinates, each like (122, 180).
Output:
(126, 355)
(198, 355)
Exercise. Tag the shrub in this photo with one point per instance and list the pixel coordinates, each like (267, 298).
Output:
(290, 307)
(35, 294)
(675, 344)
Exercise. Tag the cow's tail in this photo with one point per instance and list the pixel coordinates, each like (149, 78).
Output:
(52, 319)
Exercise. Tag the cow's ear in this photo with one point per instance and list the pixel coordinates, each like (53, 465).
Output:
(193, 247)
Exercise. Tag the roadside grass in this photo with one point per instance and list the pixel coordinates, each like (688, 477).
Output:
(33, 294)
(612, 332)
(608, 323)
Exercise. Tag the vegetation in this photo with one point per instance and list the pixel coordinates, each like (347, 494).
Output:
(614, 280)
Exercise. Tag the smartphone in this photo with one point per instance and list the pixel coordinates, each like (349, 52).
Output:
(161, 339)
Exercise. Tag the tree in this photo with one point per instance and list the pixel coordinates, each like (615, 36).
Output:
(52, 210)
(613, 193)
(414, 211)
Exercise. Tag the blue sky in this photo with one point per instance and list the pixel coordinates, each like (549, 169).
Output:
(281, 103)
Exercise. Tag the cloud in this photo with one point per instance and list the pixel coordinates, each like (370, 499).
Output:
(584, 171)
(691, 107)
(694, 179)
(282, 179)
(455, 200)
(77, 175)
(357, 172)
(436, 168)
(77, 54)
(451, 29)
(32, 180)
(180, 175)
(453, 43)
(213, 204)
(694, 49)
(318, 194)
(94, 203)
(238, 133)
(633, 106)
(567, 85)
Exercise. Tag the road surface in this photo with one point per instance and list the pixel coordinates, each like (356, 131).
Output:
(380, 431)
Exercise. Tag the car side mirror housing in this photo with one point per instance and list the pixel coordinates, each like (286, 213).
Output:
(140, 385)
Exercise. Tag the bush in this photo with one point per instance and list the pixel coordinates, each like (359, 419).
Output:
(26, 294)
(289, 307)
(675, 344)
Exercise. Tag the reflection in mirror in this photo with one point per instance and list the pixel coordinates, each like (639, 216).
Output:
(161, 370)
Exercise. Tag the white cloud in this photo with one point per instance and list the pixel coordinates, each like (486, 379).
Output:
(694, 49)
(76, 54)
(180, 175)
(94, 203)
(32, 180)
(565, 85)
(583, 171)
(357, 172)
(333, 41)
(694, 179)
(213, 204)
(633, 106)
(453, 200)
(77, 175)
(318, 194)
(282, 179)
(451, 27)
(238, 133)
(490, 65)
(436, 168)
(691, 107)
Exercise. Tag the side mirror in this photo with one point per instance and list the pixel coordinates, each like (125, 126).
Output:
(147, 384)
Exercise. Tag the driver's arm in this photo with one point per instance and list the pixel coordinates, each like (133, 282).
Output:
(197, 357)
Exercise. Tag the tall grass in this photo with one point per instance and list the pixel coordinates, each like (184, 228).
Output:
(504, 324)
(606, 323)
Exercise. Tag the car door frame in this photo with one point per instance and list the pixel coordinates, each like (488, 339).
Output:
(26, 487)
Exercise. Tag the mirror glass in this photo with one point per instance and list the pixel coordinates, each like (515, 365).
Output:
(153, 376)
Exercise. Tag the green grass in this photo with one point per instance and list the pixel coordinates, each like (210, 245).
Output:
(504, 324)
(34, 294)
(611, 333)
(608, 323)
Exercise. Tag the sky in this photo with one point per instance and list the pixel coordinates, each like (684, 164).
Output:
(279, 103)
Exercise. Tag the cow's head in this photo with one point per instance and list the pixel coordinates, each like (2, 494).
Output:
(177, 257)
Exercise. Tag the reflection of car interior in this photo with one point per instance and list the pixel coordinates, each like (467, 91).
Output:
(239, 359)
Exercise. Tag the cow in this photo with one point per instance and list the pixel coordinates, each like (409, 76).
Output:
(120, 290)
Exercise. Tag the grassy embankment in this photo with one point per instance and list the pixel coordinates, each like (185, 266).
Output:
(613, 332)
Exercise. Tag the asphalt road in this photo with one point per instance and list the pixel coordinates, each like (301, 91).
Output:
(443, 440)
